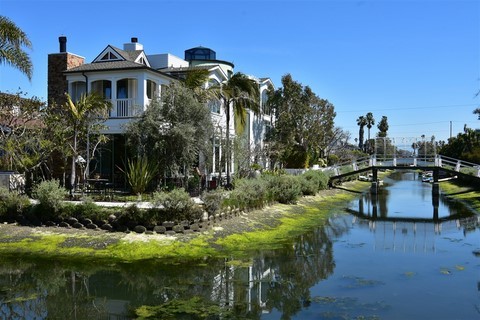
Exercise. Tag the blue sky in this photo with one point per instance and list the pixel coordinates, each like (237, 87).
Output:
(415, 61)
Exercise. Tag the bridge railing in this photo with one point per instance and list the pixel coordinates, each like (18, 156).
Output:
(457, 165)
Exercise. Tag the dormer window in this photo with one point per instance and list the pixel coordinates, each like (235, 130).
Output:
(109, 56)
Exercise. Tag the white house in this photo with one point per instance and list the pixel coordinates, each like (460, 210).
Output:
(130, 79)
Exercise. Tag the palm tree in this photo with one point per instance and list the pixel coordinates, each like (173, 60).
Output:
(370, 122)
(12, 39)
(87, 111)
(239, 93)
(361, 122)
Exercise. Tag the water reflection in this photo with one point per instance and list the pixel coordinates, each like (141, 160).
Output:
(318, 273)
(278, 279)
(410, 197)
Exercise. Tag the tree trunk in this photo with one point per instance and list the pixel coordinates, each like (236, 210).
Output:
(73, 173)
(227, 136)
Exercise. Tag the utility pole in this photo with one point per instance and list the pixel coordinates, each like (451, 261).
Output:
(450, 129)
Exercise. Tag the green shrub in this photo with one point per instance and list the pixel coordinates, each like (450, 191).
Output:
(319, 178)
(135, 215)
(285, 188)
(249, 193)
(176, 205)
(308, 185)
(86, 209)
(140, 172)
(332, 159)
(50, 196)
(12, 204)
(212, 200)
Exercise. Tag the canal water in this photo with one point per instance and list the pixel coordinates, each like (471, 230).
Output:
(400, 255)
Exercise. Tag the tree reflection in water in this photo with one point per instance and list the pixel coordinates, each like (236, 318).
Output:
(277, 279)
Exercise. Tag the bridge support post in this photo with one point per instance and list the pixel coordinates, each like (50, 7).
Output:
(374, 187)
(435, 185)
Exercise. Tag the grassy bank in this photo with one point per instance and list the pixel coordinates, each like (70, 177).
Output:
(267, 228)
(468, 194)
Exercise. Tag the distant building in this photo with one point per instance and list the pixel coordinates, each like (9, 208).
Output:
(130, 79)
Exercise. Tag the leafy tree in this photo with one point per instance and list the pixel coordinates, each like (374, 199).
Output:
(195, 80)
(83, 118)
(23, 146)
(304, 124)
(173, 131)
(12, 41)
(383, 127)
(361, 122)
(240, 93)
(465, 146)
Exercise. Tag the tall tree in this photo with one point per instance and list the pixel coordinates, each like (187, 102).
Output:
(239, 93)
(370, 122)
(361, 122)
(303, 126)
(12, 42)
(173, 131)
(84, 118)
(383, 127)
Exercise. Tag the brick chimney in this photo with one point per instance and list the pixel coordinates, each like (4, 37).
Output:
(57, 64)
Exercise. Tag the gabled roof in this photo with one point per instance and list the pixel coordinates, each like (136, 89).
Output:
(112, 59)
(111, 53)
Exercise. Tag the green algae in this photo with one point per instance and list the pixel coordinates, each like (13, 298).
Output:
(466, 194)
(290, 222)
(295, 221)
(194, 308)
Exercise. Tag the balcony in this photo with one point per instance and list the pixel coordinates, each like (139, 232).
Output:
(125, 108)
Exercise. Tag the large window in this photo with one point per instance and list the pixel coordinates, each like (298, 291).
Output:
(151, 89)
(103, 87)
(126, 88)
(78, 88)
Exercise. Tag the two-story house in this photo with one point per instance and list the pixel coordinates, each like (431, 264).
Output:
(130, 79)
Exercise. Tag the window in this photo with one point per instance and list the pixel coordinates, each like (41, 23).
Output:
(214, 106)
(264, 102)
(126, 88)
(103, 87)
(109, 56)
(78, 88)
(151, 89)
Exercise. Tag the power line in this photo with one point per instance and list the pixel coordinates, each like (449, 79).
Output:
(403, 108)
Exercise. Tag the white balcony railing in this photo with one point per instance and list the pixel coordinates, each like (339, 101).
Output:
(125, 108)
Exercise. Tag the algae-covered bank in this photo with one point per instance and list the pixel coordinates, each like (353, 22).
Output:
(468, 194)
(270, 227)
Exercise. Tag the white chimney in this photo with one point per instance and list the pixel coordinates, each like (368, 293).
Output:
(133, 45)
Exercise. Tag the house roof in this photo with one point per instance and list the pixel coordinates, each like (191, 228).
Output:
(184, 69)
(128, 55)
(109, 65)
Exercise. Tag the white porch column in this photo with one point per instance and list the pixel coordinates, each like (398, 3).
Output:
(142, 92)
(114, 97)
